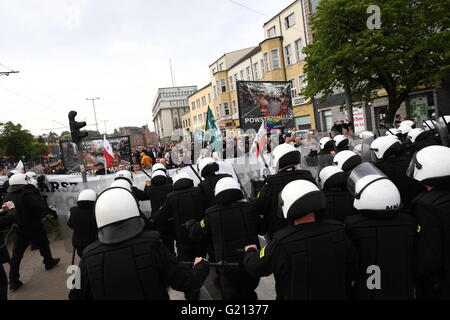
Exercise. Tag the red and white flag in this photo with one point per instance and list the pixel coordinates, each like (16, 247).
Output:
(109, 154)
(260, 140)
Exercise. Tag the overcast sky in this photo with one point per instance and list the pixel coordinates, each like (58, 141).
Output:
(70, 50)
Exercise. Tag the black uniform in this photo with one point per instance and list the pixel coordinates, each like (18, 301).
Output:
(267, 199)
(29, 211)
(208, 185)
(339, 205)
(6, 222)
(229, 228)
(430, 140)
(309, 261)
(384, 239)
(395, 170)
(82, 221)
(432, 257)
(140, 268)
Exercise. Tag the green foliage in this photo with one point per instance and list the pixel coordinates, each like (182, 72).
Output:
(412, 48)
(16, 142)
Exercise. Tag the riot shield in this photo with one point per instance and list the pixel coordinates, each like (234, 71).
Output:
(366, 154)
(443, 134)
(323, 160)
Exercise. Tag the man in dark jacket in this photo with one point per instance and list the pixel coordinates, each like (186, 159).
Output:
(7, 216)
(127, 262)
(82, 221)
(29, 212)
(208, 168)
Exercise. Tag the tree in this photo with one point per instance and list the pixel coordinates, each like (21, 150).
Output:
(16, 142)
(411, 49)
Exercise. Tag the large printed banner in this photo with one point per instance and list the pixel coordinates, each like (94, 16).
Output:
(265, 101)
(93, 150)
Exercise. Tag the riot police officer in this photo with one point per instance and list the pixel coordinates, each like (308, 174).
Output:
(208, 168)
(309, 259)
(333, 183)
(383, 236)
(393, 164)
(347, 160)
(230, 225)
(161, 167)
(7, 216)
(286, 158)
(326, 146)
(82, 221)
(431, 167)
(418, 139)
(341, 142)
(128, 263)
(29, 212)
(183, 204)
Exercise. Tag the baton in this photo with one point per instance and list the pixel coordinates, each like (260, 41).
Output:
(145, 173)
(199, 178)
(388, 129)
(73, 257)
(221, 264)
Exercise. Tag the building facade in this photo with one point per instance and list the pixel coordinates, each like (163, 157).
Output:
(139, 136)
(199, 102)
(169, 106)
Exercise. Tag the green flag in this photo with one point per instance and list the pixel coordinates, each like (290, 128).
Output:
(214, 135)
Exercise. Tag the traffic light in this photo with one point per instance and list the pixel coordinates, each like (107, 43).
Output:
(75, 127)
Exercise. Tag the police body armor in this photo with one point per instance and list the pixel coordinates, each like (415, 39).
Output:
(395, 170)
(384, 239)
(437, 202)
(240, 222)
(157, 195)
(82, 219)
(339, 205)
(185, 205)
(27, 203)
(275, 184)
(316, 261)
(125, 271)
(208, 185)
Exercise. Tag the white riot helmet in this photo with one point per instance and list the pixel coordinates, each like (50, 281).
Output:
(159, 166)
(386, 146)
(404, 129)
(372, 189)
(326, 143)
(300, 198)
(227, 190)
(393, 132)
(431, 166)
(159, 177)
(341, 141)
(429, 125)
(366, 135)
(446, 118)
(31, 175)
(34, 183)
(121, 183)
(118, 216)
(87, 195)
(124, 175)
(182, 181)
(12, 172)
(285, 155)
(416, 134)
(207, 166)
(408, 123)
(347, 160)
(17, 182)
(332, 177)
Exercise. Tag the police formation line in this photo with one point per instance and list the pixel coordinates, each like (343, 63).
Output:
(391, 214)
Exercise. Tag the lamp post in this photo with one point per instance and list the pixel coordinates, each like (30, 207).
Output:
(95, 114)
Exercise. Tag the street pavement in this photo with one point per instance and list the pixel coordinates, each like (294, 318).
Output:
(51, 285)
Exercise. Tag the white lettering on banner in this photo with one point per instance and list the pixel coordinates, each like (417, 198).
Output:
(359, 120)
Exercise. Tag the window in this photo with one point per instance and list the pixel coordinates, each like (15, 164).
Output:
(221, 67)
(314, 4)
(303, 122)
(236, 79)
(299, 49)
(226, 108)
(293, 88)
(262, 68)
(223, 85)
(289, 21)
(242, 74)
(189, 122)
(204, 116)
(303, 81)
(193, 105)
(271, 33)
(200, 118)
(287, 53)
(195, 119)
(214, 70)
(249, 74)
(234, 107)
(215, 91)
(266, 62)
(256, 70)
(231, 84)
(218, 111)
(209, 98)
(275, 59)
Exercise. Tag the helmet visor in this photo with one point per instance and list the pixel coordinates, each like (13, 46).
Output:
(363, 175)
(413, 165)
